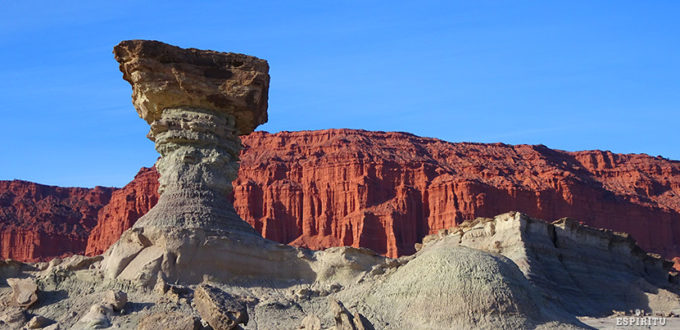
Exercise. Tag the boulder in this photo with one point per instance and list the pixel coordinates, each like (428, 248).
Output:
(116, 299)
(98, 317)
(24, 292)
(218, 308)
(38, 322)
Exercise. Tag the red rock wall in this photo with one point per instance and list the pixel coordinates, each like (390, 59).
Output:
(385, 191)
(39, 222)
(126, 206)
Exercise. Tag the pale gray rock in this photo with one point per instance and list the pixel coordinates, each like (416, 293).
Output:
(451, 287)
(38, 322)
(116, 299)
(98, 317)
(73, 263)
(586, 271)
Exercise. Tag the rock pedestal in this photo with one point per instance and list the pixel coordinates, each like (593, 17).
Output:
(197, 103)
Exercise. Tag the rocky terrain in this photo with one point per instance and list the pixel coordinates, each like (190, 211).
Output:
(506, 272)
(386, 191)
(191, 262)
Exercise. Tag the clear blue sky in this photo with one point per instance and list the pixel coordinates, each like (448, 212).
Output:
(572, 75)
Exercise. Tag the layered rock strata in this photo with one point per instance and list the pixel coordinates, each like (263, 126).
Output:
(587, 271)
(38, 222)
(386, 191)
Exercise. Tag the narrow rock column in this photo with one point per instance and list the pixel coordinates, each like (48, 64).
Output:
(199, 160)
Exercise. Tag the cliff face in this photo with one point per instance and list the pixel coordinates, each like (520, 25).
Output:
(38, 221)
(386, 191)
(126, 206)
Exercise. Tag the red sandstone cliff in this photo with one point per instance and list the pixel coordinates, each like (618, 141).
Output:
(386, 191)
(38, 221)
(126, 206)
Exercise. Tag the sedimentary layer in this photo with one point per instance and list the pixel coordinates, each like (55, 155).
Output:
(39, 221)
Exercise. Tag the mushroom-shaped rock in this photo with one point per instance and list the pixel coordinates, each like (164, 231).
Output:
(198, 103)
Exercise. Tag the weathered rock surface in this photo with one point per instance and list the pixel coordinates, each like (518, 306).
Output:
(386, 191)
(39, 222)
(11, 317)
(37, 322)
(165, 76)
(336, 187)
(345, 320)
(510, 271)
(98, 317)
(115, 299)
(587, 271)
(218, 308)
(124, 208)
(24, 292)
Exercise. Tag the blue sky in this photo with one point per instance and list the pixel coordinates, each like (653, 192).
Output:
(572, 75)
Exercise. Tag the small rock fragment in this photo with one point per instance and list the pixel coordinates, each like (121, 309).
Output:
(117, 299)
(310, 322)
(220, 309)
(24, 291)
(168, 321)
(98, 317)
(344, 320)
(38, 322)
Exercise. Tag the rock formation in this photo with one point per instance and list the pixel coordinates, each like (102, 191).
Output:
(386, 191)
(123, 209)
(299, 187)
(197, 104)
(590, 271)
(510, 271)
(39, 222)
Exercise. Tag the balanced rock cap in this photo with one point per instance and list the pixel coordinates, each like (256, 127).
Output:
(165, 76)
